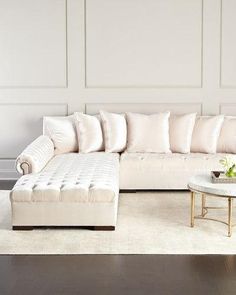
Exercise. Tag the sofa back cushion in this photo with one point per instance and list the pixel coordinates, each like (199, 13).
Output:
(114, 131)
(148, 133)
(227, 138)
(62, 132)
(206, 133)
(181, 129)
(89, 131)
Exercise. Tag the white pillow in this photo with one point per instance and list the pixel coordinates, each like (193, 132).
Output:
(62, 132)
(227, 139)
(206, 133)
(148, 133)
(89, 132)
(115, 131)
(181, 130)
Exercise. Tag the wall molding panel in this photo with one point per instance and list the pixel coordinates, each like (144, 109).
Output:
(170, 62)
(177, 108)
(34, 45)
(61, 56)
(227, 44)
(227, 109)
(7, 169)
(20, 123)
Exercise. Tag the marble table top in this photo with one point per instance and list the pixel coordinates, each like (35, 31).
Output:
(202, 183)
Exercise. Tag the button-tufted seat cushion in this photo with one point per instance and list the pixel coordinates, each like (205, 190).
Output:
(72, 190)
(164, 171)
(72, 177)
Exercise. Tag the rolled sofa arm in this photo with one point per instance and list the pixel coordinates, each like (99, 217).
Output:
(35, 157)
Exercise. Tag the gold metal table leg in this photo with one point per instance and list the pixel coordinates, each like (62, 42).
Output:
(192, 208)
(203, 205)
(230, 209)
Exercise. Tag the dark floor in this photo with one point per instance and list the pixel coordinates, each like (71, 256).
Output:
(6, 184)
(117, 274)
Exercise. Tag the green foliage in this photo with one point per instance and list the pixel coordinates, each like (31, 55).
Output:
(229, 166)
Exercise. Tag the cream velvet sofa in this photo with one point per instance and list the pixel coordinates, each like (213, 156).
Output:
(82, 189)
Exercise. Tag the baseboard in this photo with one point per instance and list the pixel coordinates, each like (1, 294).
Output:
(7, 169)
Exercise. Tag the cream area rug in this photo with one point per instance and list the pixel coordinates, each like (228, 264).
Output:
(148, 223)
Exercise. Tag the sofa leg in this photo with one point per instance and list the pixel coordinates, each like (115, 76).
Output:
(103, 228)
(19, 227)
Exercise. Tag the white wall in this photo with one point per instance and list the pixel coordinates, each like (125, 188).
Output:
(58, 55)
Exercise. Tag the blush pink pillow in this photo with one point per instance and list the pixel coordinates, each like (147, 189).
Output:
(148, 133)
(89, 131)
(206, 133)
(62, 132)
(115, 131)
(181, 130)
(227, 139)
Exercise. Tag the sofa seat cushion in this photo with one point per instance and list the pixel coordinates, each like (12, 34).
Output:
(164, 171)
(72, 177)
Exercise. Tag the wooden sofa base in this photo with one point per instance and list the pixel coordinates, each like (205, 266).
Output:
(97, 228)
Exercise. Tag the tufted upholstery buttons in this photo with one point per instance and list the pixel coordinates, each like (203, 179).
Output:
(70, 177)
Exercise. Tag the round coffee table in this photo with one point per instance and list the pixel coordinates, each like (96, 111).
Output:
(202, 184)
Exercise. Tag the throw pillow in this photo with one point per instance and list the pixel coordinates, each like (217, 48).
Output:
(148, 133)
(115, 131)
(206, 133)
(227, 139)
(62, 132)
(89, 131)
(181, 129)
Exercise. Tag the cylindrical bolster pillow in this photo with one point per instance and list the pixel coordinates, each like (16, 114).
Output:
(35, 157)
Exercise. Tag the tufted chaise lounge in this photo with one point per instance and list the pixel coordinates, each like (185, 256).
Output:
(71, 190)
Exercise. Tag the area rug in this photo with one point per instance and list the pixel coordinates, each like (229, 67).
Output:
(148, 223)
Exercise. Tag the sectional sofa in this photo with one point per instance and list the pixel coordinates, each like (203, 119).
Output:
(72, 174)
